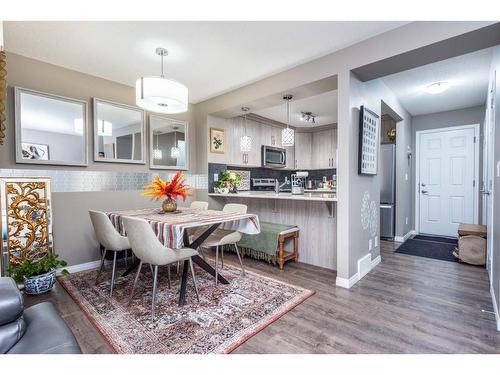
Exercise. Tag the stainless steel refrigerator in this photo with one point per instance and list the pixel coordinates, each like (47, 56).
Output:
(387, 190)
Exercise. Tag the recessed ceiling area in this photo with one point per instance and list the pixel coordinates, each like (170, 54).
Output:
(210, 58)
(323, 106)
(467, 78)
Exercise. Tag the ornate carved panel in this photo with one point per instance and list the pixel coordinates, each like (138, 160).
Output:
(26, 225)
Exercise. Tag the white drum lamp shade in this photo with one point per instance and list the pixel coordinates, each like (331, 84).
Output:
(161, 95)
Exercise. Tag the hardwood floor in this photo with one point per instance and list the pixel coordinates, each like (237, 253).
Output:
(407, 304)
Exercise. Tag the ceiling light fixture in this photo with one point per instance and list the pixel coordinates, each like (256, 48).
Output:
(437, 87)
(245, 140)
(159, 94)
(287, 134)
(157, 153)
(174, 151)
(308, 117)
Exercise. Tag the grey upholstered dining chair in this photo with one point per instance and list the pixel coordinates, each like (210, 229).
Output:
(148, 249)
(199, 205)
(223, 237)
(110, 239)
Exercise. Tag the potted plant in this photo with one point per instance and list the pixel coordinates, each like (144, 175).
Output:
(228, 182)
(171, 190)
(38, 275)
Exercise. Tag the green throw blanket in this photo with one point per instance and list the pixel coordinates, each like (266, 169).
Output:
(263, 245)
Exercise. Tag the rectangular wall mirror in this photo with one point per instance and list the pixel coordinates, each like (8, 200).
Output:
(119, 131)
(168, 139)
(50, 129)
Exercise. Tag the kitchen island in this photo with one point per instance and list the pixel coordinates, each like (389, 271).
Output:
(313, 213)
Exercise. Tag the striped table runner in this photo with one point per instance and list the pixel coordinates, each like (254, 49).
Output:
(170, 227)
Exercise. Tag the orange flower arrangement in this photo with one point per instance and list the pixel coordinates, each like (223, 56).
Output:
(172, 189)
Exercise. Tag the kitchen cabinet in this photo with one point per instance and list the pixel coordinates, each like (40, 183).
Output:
(324, 145)
(303, 150)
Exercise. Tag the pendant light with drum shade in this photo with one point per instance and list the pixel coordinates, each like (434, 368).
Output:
(160, 94)
(287, 134)
(245, 140)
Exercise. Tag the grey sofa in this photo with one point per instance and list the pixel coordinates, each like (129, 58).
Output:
(36, 330)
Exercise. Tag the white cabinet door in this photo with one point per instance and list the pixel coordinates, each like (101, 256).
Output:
(303, 150)
(322, 149)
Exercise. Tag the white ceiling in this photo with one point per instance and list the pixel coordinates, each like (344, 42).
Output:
(211, 58)
(468, 77)
(324, 106)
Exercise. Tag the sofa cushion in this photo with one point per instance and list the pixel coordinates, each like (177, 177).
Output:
(46, 333)
(11, 301)
(11, 333)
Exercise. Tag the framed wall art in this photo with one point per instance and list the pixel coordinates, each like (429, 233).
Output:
(368, 142)
(217, 140)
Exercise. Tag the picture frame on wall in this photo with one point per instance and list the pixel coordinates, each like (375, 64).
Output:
(34, 151)
(217, 140)
(369, 129)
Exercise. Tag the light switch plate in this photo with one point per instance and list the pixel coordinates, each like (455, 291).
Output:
(406, 176)
(376, 241)
(216, 177)
(370, 244)
(498, 168)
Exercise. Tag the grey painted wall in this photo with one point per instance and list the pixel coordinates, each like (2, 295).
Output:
(466, 116)
(495, 232)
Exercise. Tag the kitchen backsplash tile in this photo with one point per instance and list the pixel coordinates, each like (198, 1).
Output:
(256, 172)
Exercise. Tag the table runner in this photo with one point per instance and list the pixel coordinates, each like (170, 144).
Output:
(170, 227)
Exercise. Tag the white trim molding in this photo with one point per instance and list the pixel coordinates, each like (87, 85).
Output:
(80, 267)
(413, 232)
(348, 283)
(495, 307)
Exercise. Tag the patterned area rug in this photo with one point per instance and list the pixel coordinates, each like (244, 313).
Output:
(225, 317)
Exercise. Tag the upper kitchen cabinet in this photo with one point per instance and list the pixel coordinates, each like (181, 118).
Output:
(303, 150)
(324, 146)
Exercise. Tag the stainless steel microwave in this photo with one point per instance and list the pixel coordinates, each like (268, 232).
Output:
(273, 157)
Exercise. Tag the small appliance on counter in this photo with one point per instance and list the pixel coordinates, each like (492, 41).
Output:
(263, 183)
(299, 182)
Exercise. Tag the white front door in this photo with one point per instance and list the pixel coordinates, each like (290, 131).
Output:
(446, 174)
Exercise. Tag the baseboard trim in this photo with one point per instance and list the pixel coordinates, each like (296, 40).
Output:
(348, 283)
(405, 237)
(81, 267)
(495, 307)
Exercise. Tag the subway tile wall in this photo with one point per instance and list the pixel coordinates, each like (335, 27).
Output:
(77, 181)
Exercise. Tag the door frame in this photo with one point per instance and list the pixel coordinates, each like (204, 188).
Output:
(418, 134)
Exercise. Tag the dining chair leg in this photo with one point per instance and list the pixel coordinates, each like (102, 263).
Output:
(113, 274)
(126, 258)
(239, 258)
(152, 271)
(178, 267)
(222, 257)
(101, 267)
(216, 265)
(194, 279)
(168, 272)
(153, 302)
(135, 282)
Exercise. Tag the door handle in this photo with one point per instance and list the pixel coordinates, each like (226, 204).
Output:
(485, 192)
(424, 191)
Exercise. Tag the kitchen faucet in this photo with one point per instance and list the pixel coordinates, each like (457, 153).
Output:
(277, 185)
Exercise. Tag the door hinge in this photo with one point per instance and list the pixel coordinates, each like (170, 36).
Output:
(474, 139)
(473, 183)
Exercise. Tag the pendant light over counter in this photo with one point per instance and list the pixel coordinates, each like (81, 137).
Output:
(159, 94)
(287, 134)
(174, 151)
(245, 140)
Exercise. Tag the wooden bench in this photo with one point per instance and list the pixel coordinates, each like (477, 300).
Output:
(283, 255)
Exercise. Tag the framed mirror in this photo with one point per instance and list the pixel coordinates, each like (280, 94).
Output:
(119, 133)
(50, 129)
(169, 146)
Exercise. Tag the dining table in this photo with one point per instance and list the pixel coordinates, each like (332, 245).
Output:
(172, 230)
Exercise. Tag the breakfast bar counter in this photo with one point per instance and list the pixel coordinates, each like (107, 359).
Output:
(319, 197)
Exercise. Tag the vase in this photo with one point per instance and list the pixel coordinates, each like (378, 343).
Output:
(169, 205)
(40, 283)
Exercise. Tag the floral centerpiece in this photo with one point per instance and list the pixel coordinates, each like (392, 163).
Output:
(171, 190)
(228, 182)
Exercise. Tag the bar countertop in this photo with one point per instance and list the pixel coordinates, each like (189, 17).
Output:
(319, 197)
